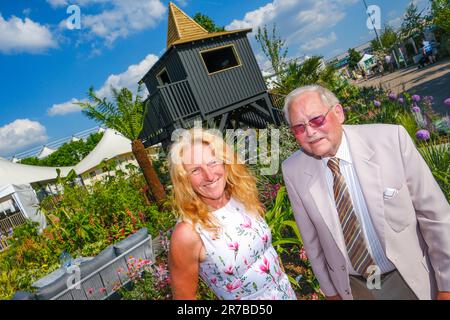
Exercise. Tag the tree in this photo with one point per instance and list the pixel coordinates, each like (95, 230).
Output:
(273, 48)
(440, 10)
(69, 154)
(127, 117)
(413, 22)
(388, 39)
(353, 58)
(207, 23)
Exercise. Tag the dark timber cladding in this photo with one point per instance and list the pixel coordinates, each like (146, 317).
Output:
(223, 88)
(213, 77)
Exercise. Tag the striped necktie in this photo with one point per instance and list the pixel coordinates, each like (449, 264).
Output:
(358, 253)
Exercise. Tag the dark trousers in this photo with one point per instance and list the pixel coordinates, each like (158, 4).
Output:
(392, 287)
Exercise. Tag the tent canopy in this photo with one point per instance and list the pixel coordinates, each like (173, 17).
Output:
(111, 145)
(16, 173)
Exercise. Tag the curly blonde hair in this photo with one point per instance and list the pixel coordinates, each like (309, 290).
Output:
(240, 183)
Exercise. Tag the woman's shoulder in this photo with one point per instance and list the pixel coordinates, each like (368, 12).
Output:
(185, 233)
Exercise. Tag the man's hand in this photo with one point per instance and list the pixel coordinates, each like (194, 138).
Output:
(336, 297)
(442, 295)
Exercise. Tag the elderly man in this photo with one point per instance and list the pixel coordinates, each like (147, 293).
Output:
(374, 222)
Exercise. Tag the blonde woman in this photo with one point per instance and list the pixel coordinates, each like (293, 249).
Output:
(221, 234)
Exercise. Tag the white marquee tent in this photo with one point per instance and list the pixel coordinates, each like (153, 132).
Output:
(22, 197)
(15, 178)
(111, 145)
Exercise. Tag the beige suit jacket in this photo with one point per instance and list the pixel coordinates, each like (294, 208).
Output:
(413, 226)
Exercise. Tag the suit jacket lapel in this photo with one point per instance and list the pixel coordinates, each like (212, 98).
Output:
(369, 177)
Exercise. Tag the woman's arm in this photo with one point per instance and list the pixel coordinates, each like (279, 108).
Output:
(184, 253)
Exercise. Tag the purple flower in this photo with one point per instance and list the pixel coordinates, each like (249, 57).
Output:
(447, 101)
(376, 103)
(415, 109)
(392, 96)
(423, 135)
(401, 100)
(415, 98)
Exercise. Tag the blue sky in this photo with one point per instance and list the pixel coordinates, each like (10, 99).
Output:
(44, 66)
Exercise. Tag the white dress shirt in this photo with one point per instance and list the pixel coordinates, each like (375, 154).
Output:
(359, 205)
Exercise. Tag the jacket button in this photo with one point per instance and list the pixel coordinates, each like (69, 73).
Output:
(343, 268)
(347, 292)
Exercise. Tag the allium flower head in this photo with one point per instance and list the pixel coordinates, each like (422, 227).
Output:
(392, 96)
(423, 135)
(415, 109)
(415, 98)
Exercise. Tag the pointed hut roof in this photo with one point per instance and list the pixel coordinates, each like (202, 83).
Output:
(182, 28)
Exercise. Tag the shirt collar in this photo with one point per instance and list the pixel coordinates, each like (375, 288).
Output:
(343, 152)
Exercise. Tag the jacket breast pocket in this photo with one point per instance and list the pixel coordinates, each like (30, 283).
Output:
(398, 210)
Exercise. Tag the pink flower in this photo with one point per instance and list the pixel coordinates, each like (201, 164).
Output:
(303, 256)
(265, 238)
(314, 296)
(229, 270)
(278, 272)
(102, 290)
(234, 285)
(264, 267)
(233, 246)
(90, 291)
(447, 101)
(247, 223)
(213, 280)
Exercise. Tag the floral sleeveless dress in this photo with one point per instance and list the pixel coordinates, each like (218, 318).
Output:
(242, 263)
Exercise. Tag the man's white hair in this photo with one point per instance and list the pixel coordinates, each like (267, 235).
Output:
(328, 98)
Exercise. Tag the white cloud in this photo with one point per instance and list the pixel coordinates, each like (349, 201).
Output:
(128, 79)
(57, 3)
(182, 3)
(21, 133)
(116, 18)
(17, 35)
(26, 11)
(81, 3)
(395, 23)
(297, 21)
(319, 42)
(64, 108)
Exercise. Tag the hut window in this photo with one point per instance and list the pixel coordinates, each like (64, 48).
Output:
(220, 59)
(163, 77)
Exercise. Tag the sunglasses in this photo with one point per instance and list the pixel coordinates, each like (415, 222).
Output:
(315, 122)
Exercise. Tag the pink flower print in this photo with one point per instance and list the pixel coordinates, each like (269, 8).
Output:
(234, 285)
(303, 256)
(90, 291)
(213, 280)
(229, 270)
(264, 267)
(102, 290)
(233, 246)
(265, 238)
(247, 222)
(278, 272)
